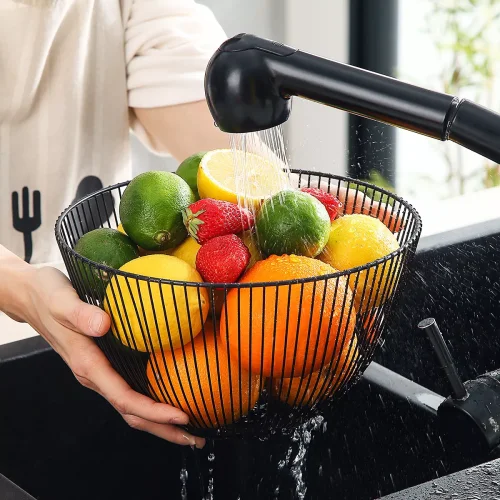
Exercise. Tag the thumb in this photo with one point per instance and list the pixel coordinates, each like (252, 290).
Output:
(76, 315)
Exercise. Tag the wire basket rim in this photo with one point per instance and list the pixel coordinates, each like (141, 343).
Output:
(162, 281)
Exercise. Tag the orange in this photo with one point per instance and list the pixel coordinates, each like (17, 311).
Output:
(212, 393)
(371, 322)
(282, 330)
(319, 385)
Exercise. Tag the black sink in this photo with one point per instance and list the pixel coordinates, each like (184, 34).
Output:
(59, 440)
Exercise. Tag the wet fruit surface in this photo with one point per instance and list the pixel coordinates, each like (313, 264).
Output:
(292, 222)
(151, 210)
(287, 330)
(149, 316)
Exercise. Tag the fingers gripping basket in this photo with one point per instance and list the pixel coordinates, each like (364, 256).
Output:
(243, 358)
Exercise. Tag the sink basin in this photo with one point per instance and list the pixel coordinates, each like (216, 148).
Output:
(59, 440)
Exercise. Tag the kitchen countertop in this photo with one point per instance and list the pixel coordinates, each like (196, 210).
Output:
(477, 483)
(9, 491)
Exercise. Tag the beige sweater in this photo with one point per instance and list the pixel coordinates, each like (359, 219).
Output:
(69, 71)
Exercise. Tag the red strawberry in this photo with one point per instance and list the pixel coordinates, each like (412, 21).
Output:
(330, 202)
(222, 259)
(208, 218)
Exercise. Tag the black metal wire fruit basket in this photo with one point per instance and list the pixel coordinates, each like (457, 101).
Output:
(253, 359)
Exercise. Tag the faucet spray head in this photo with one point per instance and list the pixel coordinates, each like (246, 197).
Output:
(242, 87)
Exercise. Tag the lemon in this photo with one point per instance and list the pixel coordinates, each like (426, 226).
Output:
(147, 316)
(187, 251)
(356, 240)
(250, 240)
(239, 177)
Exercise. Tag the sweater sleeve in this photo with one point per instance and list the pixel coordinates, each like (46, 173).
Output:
(168, 44)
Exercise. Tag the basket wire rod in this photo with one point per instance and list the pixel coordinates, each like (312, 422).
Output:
(190, 383)
(288, 308)
(153, 359)
(131, 373)
(327, 342)
(219, 383)
(406, 229)
(309, 326)
(121, 317)
(205, 352)
(227, 331)
(250, 333)
(114, 283)
(262, 352)
(86, 204)
(300, 306)
(337, 192)
(273, 347)
(104, 207)
(239, 359)
(101, 219)
(333, 366)
(309, 375)
(75, 226)
(274, 327)
(349, 360)
(184, 348)
(141, 313)
(195, 360)
(115, 216)
(156, 369)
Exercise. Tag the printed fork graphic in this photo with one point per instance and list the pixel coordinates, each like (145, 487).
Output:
(27, 224)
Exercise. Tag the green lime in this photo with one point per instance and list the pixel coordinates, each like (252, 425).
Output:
(107, 247)
(151, 210)
(292, 222)
(188, 170)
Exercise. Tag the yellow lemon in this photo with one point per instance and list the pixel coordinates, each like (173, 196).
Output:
(356, 240)
(148, 316)
(249, 238)
(187, 251)
(239, 176)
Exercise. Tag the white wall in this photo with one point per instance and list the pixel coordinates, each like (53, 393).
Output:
(317, 135)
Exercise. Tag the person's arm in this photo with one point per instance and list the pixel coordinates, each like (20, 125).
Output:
(45, 299)
(168, 44)
(182, 129)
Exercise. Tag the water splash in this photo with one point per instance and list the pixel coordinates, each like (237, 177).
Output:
(210, 484)
(184, 477)
(270, 145)
(301, 440)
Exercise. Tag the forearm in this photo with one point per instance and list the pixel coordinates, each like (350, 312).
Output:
(14, 277)
(189, 128)
(182, 130)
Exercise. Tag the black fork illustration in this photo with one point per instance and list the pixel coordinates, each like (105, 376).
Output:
(27, 224)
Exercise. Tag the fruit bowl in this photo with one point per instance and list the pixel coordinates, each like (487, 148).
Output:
(257, 357)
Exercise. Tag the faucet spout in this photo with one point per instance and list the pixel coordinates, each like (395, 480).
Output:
(250, 81)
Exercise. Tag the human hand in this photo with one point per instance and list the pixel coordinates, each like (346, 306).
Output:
(46, 300)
